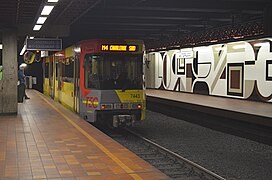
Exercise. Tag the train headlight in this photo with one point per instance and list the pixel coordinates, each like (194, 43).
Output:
(106, 106)
(136, 106)
(139, 106)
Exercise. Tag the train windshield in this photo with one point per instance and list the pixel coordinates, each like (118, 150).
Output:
(113, 71)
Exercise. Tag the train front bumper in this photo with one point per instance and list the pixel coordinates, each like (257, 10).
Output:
(123, 120)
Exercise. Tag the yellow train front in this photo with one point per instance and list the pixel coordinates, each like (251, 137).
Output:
(102, 80)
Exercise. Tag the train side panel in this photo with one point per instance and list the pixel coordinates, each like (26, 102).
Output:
(67, 94)
(46, 87)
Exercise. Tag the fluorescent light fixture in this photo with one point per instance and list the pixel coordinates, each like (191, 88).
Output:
(1, 46)
(215, 40)
(23, 50)
(58, 55)
(41, 20)
(77, 49)
(37, 27)
(238, 37)
(31, 37)
(47, 10)
(54, 1)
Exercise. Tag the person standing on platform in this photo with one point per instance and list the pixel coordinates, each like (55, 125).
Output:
(22, 79)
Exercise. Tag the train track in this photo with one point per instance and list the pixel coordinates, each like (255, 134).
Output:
(168, 162)
(222, 123)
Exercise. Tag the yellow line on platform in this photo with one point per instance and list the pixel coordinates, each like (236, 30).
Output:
(99, 145)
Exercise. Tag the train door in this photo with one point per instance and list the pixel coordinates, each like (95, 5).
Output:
(51, 78)
(76, 84)
(46, 81)
(56, 82)
(59, 79)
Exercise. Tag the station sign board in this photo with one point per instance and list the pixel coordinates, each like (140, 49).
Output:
(185, 54)
(45, 44)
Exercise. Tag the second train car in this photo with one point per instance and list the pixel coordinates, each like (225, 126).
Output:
(102, 80)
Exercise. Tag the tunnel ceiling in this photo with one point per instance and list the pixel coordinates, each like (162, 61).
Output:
(150, 20)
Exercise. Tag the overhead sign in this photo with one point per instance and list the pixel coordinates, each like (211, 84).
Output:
(185, 54)
(120, 48)
(44, 44)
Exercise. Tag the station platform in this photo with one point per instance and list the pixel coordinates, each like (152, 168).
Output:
(249, 111)
(46, 141)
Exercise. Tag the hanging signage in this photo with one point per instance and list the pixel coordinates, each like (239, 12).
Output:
(44, 44)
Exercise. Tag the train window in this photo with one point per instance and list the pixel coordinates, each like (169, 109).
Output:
(46, 70)
(57, 69)
(113, 71)
(91, 72)
(51, 69)
(68, 69)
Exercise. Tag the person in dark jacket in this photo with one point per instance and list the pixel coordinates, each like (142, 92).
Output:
(22, 78)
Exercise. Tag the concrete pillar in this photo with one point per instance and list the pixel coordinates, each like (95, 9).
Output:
(8, 91)
(268, 20)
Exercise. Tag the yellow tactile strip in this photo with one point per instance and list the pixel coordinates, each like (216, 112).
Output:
(45, 142)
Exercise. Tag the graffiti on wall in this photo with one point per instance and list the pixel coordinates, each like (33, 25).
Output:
(239, 70)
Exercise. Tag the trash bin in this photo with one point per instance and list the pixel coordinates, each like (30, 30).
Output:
(20, 91)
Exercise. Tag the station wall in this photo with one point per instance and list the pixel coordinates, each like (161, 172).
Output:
(240, 69)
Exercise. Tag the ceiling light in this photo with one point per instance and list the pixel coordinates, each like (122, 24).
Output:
(215, 40)
(1, 46)
(41, 20)
(59, 54)
(37, 27)
(23, 50)
(238, 37)
(31, 37)
(77, 49)
(52, 1)
(47, 10)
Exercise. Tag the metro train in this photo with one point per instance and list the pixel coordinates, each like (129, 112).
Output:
(102, 80)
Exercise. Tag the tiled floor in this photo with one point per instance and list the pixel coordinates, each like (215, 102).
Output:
(47, 141)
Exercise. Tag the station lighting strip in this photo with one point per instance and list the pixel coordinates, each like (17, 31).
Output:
(24, 47)
(48, 7)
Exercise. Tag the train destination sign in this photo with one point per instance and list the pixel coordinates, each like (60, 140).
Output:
(44, 44)
(119, 48)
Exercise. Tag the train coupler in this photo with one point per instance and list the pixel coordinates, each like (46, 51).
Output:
(123, 120)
